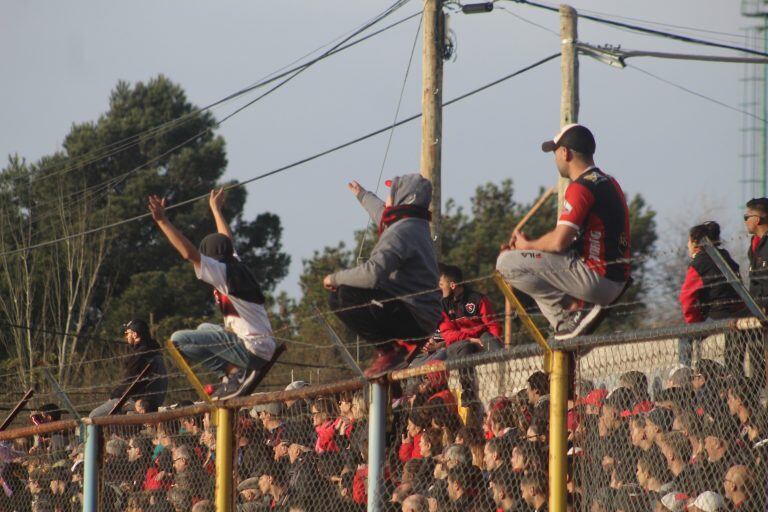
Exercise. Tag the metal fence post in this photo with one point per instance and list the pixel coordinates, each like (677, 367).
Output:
(224, 456)
(91, 467)
(376, 438)
(558, 434)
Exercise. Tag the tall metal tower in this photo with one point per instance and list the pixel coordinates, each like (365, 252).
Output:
(754, 149)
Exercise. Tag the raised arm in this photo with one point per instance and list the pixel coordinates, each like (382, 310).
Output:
(180, 242)
(216, 201)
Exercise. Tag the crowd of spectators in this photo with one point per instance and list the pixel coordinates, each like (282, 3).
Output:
(698, 443)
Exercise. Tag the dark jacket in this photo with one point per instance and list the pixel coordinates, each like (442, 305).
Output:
(758, 269)
(705, 292)
(154, 384)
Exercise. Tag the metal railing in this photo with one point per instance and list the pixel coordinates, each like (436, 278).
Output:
(629, 426)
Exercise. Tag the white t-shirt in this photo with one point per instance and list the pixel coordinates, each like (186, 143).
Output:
(252, 325)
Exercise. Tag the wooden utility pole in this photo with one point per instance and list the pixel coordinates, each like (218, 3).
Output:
(569, 70)
(431, 105)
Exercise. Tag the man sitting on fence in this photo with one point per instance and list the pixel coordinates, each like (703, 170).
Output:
(391, 300)
(244, 348)
(582, 265)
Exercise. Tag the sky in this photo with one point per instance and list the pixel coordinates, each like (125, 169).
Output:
(680, 151)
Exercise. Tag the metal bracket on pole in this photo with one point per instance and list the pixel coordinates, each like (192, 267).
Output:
(526, 320)
(184, 367)
(732, 279)
(63, 397)
(345, 355)
(16, 410)
(121, 402)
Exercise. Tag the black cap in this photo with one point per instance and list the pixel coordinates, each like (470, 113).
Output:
(138, 326)
(572, 136)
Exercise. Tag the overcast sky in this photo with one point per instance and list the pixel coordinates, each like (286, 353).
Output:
(681, 152)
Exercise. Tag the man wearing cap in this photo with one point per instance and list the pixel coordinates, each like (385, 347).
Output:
(244, 348)
(271, 416)
(144, 351)
(582, 265)
(392, 300)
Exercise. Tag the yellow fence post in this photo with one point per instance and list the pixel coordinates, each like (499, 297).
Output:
(558, 432)
(187, 371)
(224, 456)
(556, 365)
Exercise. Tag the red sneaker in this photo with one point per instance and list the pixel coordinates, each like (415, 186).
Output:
(386, 361)
(412, 348)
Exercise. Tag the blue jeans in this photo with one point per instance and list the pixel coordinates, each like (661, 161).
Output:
(214, 348)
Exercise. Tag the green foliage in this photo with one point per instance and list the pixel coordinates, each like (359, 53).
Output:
(104, 173)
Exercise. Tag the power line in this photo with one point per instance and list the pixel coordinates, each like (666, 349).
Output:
(115, 181)
(285, 167)
(392, 131)
(272, 77)
(698, 94)
(637, 28)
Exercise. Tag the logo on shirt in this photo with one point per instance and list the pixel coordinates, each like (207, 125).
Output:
(567, 208)
(470, 307)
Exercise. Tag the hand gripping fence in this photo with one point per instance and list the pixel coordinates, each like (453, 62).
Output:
(647, 419)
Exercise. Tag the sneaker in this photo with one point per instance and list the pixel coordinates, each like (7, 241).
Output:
(386, 361)
(580, 322)
(235, 385)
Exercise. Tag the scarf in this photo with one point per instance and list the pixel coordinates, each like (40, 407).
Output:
(393, 214)
(241, 282)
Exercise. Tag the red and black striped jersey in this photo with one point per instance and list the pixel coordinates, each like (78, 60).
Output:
(594, 205)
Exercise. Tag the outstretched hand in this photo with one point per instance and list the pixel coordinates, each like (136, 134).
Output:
(216, 199)
(157, 208)
(355, 187)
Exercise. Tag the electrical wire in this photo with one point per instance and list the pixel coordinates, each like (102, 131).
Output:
(116, 181)
(392, 131)
(650, 31)
(283, 168)
(698, 94)
(271, 77)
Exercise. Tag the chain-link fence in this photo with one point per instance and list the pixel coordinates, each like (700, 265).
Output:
(657, 420)
(157, 463)
(663, 422)
(41, 468)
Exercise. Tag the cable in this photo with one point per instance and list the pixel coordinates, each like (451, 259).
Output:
(290, 74)
(690, 91)
(285, 167)
(525, 20)
(668, 35)
(134, 139)
(392, 131)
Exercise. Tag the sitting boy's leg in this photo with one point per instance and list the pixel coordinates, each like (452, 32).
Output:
(202, 346)
(382, 321)
(533, 273)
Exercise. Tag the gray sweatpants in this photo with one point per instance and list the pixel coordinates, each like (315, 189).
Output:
(554, 280)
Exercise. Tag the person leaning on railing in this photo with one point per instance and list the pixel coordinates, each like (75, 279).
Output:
(706, 294)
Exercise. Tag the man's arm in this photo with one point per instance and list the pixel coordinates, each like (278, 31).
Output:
(216, 201)
(181, 243)
(557, 240)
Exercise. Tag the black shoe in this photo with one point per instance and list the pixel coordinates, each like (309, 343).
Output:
(580, 323)
(233, 385)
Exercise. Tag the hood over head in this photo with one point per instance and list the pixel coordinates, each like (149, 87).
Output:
(411, 189)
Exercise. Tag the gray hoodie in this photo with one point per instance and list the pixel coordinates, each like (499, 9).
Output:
(403, 261)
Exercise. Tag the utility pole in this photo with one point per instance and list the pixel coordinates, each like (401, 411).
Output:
(431, 105)
(569, 70)
(560, 379)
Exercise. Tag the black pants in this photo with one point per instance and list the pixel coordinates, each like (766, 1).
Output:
(377, 319)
